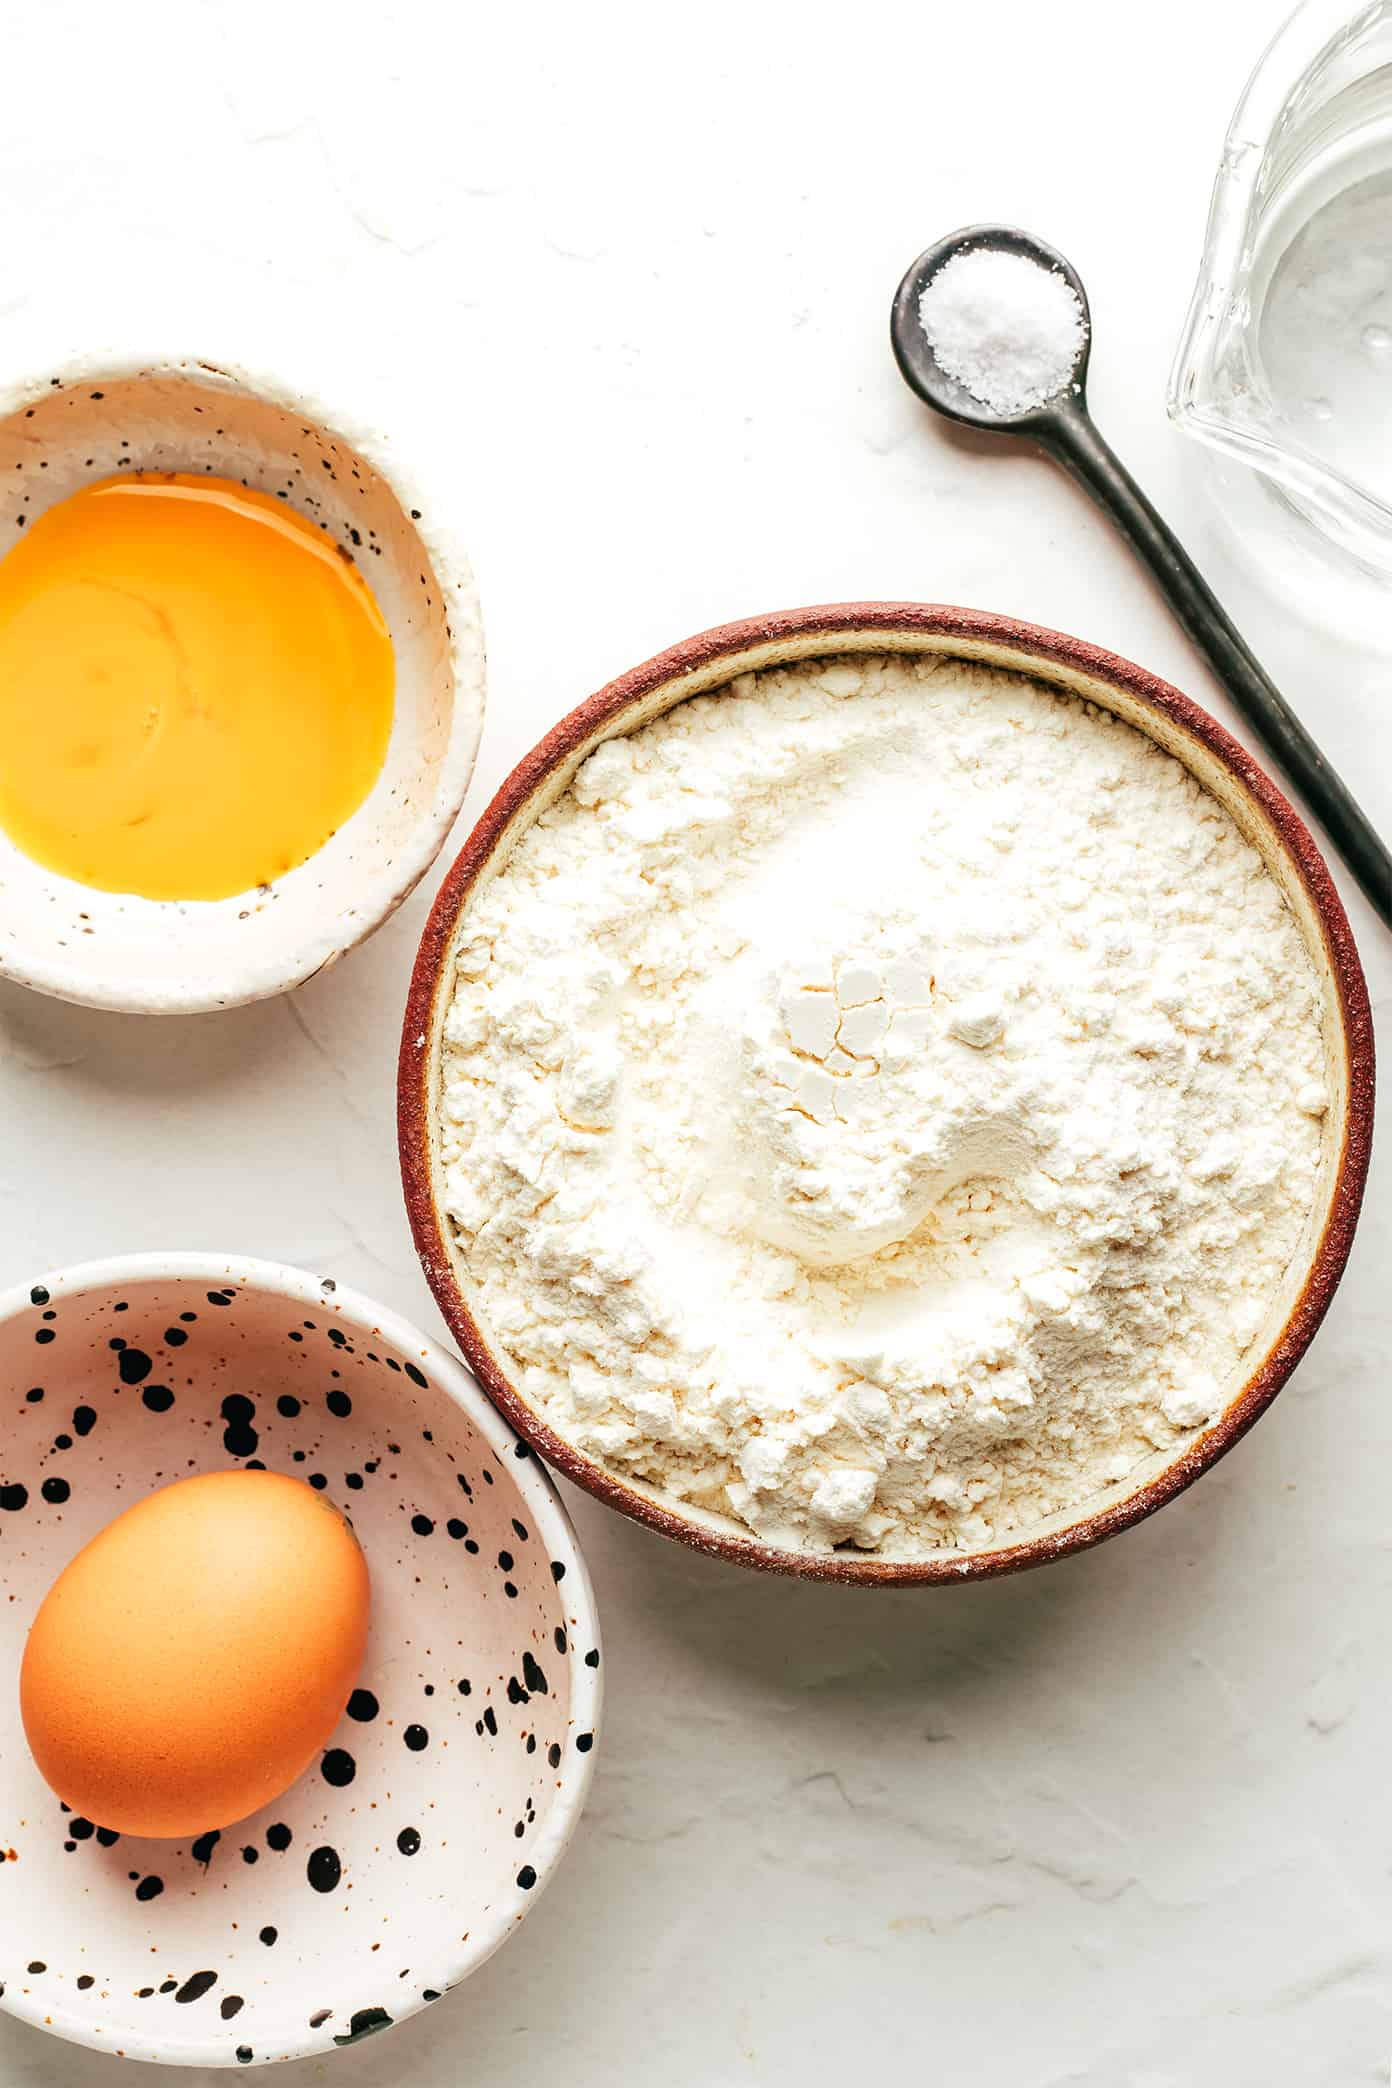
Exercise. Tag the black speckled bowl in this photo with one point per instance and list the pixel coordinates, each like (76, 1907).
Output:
(387, 1874)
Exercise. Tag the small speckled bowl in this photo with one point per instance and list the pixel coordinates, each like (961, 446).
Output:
(113, 950)
(454, 1780)
(707, 663)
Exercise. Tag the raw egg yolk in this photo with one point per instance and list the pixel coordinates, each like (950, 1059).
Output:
(196, 688)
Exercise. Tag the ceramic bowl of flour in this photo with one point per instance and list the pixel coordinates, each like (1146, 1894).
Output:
(92, 420)
(885, 1093)
(449, 1790)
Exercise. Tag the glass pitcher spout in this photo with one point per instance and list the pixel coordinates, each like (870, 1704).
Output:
(1286, 358)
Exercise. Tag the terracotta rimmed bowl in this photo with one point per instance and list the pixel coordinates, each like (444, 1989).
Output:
(1074, 667)
(96, 418)
(424, 1835)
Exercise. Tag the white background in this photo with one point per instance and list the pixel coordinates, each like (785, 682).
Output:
(618, 278)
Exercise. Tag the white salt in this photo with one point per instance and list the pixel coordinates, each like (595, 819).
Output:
(1007, 329)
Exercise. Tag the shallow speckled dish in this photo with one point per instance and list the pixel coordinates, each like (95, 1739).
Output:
(112, 950)
(392, 1870)
(1070, 664)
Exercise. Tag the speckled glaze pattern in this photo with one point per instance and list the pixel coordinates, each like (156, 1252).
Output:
(112, 950)
(705, 663)
(447, 1794)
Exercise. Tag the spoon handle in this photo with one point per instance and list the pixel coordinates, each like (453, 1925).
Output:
(1072, 439)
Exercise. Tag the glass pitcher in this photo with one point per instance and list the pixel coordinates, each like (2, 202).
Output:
(1286, 361)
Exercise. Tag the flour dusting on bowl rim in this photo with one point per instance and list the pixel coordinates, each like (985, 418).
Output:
(1072, 666)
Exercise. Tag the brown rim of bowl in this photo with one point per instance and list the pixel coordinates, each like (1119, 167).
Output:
(940, 621)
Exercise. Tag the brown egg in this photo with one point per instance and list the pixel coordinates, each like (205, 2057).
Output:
(193, 1659)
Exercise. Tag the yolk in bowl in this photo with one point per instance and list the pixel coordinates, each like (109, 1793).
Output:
(196, 688)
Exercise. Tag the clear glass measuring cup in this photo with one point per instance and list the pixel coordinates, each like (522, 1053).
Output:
(1286, 360)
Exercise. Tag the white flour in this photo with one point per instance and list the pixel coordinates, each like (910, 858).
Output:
(1008, 329)
(880, 1103)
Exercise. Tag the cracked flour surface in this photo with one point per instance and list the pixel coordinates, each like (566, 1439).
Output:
(881, 1101)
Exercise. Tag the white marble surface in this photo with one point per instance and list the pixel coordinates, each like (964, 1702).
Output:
(624, 277)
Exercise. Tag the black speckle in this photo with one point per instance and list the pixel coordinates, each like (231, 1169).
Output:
(318, 1481)
(288, 1405)
(526, 1877)
(195, 1988)
(39, 1295)
(558, 1569)
(245, 2055)
(592, 1657)
(134, 1365)
(202, 1850)
(239, 1438)
(520, 1451)
(35, 1395)
(44, 1336)
(457, 1528)
(520, 1528)
(362, 2023)
(422, 1525)
(143, 1993)
(279, 1836)
(149, 1888)
(107, 1837)
(62, 1442)
(268, 1936)
(464, 1686)
(353, 1481)
(416, 1737)
(37, 1965)
(338, 1767)
(532, 1675)
(220, 1297)
(250, 1854)
(505, 1561)
(510, 1590)
(320, 2015)
(14, 1497)
(189, 1317)
(175, 1337)
(56, 1491)
(80, 1829)
(584, 1742)
(339, 1404)
(429, 1994)
(560, 1638)
(516, 1694)
(167, 1986)
(84, 1419)
(363, 1706)
(158, 1398)
(229, 2006)
(553, 1755)
(491, 1721)
(471, 1546)
(85, 1980)
(324, 1869)
(417, 1377)
(408, 1841)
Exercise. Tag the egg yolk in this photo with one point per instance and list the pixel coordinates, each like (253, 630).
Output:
(196, 688)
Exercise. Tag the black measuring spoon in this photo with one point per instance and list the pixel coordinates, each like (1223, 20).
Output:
(1063, 427)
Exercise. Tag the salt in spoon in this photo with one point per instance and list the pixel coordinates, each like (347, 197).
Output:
(1063, 427)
